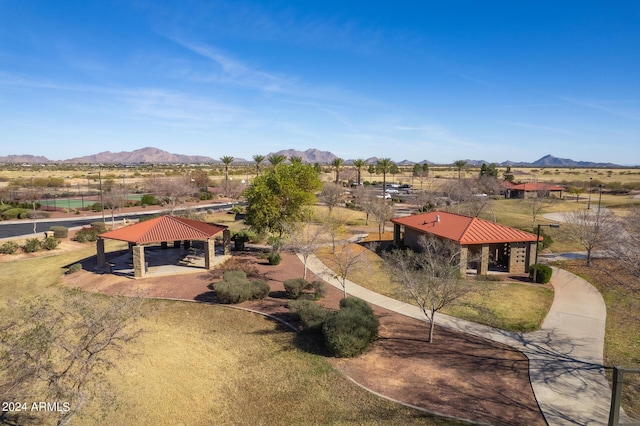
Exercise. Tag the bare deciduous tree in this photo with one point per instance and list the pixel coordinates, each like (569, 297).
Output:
(591, 230)
(430, 277)
(114, 199)
(541, 201)
(231, 188)
(304, 238)
(625, 244)
(172, 191)
(381, 211)
(59, 349)
(331, 195)
(348, 257)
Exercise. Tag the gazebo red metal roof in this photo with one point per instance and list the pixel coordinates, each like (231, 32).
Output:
(463, 229)
(165, 228)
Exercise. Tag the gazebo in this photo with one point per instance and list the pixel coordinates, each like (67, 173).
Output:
(506, 248)
(161, 231)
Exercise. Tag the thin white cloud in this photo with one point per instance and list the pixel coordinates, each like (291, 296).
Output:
(622, 108)
(536, 126)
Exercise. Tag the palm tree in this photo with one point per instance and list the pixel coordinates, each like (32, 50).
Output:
(371, 169)
(258, 159)
(226, 160)
(384, 166)
(276, 159)
(295, 159)
(337, 163)
(393, 170)
(359, 164)
(460, 165)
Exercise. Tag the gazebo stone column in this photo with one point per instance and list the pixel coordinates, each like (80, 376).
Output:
(484, 260)
(139, 269)
(531, 257)
(100, 254)
(226, 242)
(464, 256)
(517, 258)
(396, 234)
(131, 246)
(209, 253)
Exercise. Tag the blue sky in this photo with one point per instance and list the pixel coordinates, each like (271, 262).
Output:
(435, 80)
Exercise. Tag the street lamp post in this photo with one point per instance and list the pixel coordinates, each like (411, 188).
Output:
(599, 201)
(101, 197)
(535, 269)
(590, 184)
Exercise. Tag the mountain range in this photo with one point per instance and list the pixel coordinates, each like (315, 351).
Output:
(157, 156)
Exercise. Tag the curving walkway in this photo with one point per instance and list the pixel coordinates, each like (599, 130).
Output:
(565, 356)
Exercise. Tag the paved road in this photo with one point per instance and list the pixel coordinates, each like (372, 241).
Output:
(15, 228)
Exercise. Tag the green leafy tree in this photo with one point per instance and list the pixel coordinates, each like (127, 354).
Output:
(488, 171)
(279, 196)
(359, 165)
(508, 174)
(384, 166)
(226, 160)
(337, 165)
(258, 159)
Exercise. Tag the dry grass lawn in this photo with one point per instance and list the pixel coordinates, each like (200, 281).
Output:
(506, 305)
(205, 364)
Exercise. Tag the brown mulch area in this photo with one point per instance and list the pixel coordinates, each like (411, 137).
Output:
(456, 375)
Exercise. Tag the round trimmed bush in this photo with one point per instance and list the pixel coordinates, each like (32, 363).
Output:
(86, 235)
(9, 247)
(73, 269)
(543, 276)
(15, 213)
(32, 245)
(295, 286)
(235, 288)
(311, 314)
(274, 258)
(60, 231)
(350, 331)
(99, 226)
(50, 243)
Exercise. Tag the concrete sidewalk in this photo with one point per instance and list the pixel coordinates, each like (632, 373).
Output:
(565, 355)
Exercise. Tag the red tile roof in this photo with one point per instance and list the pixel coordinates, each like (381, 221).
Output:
(164, 228)
(536, 186)
(464, 229)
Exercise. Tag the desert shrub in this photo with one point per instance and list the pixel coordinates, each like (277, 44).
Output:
(236, 209)
(96, 207)
(295, 286)
(5, 207)
(274, 258)
(50, 243)
(73, 269)
(32, 245)
(38, 214)
(319, 289)
(348, 332)
(543, 276)
(149, 200)
(259, 289)
(148, 217)
(235, 288)
(235, 264)
(86, 235)
(235, 276)
(310, 313)
(10, 247)
(100, 227)
(60, 231)
(15, 213)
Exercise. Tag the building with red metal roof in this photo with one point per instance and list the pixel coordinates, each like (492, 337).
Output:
(531, 189)
(483, 244)
(161, 230)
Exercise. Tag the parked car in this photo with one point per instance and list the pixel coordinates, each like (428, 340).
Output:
(386, 196)
(391, 191)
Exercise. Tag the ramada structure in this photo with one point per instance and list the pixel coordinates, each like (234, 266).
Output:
(483, 244)
(162, 230)
(531, 190)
